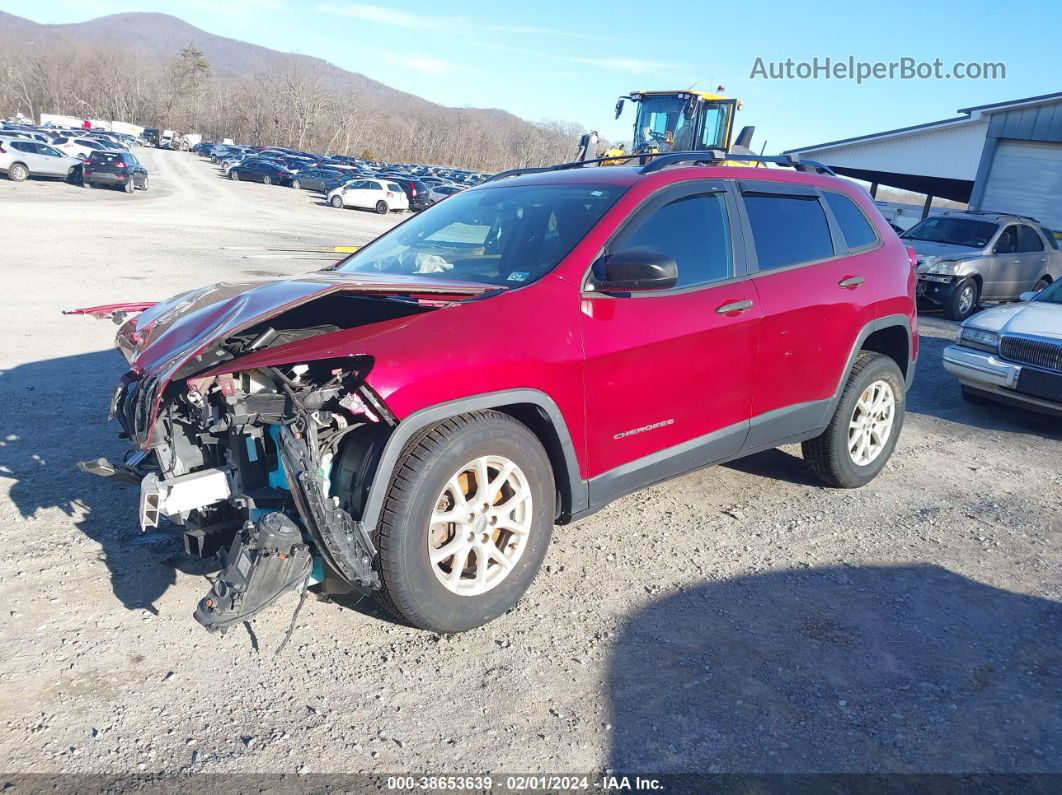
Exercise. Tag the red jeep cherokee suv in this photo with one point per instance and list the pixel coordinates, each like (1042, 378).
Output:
(413, 421)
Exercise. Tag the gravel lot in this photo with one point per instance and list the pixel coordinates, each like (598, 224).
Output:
(737, 619)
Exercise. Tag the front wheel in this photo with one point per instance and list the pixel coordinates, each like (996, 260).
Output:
(130, 185)
(296, 184)
(267, 180)
(466, 523)
(234, 175)
(381, 207)
(962, 302)
(144, 186)
(337, 202)
(865, 426)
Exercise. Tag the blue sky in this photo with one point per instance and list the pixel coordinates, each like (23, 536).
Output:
(546, 59)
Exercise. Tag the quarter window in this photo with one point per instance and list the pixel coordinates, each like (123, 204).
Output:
(694, 232)
(788, 230)
(855, 227)
(1028, 240)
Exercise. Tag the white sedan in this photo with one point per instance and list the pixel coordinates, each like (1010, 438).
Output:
(1013, 353)
(370, 194)
(79, 147)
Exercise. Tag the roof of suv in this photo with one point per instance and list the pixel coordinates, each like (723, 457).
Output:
(988, 215)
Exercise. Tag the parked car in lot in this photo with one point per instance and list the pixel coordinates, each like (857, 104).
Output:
(80, 147)
(21, 158)
(320, 179)
(114, 170)
(436, 193)
(967, 257)
(263, 171)
(419, 416)
(415, 190)
(384, 196)
(1013, 354)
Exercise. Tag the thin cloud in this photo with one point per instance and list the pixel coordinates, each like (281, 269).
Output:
(382, 15)
(633, 65)
(429, 65)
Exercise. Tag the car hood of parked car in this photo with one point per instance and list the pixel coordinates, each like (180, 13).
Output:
(938, 251)
(1034, 318)
(186, 334)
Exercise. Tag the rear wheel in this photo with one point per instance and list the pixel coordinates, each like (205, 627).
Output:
(17, 173)
(865, 426)
(337, 202)
(1042, 284)
(466, 522)
(962, 302)
(381, 207)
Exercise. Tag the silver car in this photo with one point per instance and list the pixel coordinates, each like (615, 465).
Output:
(21, 158)
(1013, 354)
(968, 257)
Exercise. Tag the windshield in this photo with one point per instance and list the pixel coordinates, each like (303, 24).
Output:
(956, 231)
(1052, 294)
(507, 236)
(662, 123)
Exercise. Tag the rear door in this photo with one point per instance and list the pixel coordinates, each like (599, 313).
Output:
(27, 153)
(816, 297)
(1033, 253)
(669, 373)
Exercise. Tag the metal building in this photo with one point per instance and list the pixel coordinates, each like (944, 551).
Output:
(1004, 157)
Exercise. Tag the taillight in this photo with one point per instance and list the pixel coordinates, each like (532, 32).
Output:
(912, 257)
(119, 164)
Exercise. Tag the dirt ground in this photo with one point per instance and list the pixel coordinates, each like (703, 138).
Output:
(738, 619)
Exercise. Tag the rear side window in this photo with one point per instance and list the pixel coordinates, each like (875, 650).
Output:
(787, 230)
(695, 233)
(1028, 240)
(855, 227)
(393, 187)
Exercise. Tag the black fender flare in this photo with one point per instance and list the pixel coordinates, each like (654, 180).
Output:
(577, 488)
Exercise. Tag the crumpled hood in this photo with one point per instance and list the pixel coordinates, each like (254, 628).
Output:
(933, 252)
(167, 335)
(1032, 318)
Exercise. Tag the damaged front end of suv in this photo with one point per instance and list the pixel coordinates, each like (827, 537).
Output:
(265, 466)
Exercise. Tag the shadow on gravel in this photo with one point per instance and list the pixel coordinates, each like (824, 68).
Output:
(54, 415)
(910, 669)
(936, 394)
(776, 464)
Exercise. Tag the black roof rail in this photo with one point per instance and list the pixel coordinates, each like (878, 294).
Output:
(661, 160)
(713, 156)
(992, 212)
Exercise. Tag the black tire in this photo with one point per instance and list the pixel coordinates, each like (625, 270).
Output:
(267, 180)
(145, 185)
(962, 301)
(828, 454)
(296, 184)
(381, 207)
(974, 398)
(130, 185)
(234, 175)
(411, 590)
(337, 201)
(17, 172)
(1041, 284)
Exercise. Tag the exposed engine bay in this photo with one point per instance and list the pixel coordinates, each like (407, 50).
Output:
(266, 468)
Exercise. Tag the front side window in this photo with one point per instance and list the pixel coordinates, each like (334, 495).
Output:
(1028, 240)
(694, 232)
(855, 228)
(1008, 241)
(507, 235)
(787, 230)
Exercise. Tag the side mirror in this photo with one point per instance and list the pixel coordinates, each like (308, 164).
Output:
(619, 107)
(744, 138)
(1028, 296)
(635, 270)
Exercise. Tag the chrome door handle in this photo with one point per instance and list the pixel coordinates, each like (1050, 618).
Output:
(733, 307)
(1016, 261)
(850, 282)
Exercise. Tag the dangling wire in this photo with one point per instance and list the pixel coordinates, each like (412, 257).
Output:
(295, 615)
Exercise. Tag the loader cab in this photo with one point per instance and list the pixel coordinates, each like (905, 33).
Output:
(680, 121)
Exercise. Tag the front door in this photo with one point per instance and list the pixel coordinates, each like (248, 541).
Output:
(669, 374)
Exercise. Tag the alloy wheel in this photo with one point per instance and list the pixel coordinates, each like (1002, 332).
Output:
(871, 423)
(480, 525)
(966, 299)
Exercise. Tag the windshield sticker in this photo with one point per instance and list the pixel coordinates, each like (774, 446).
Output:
(518, 276)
